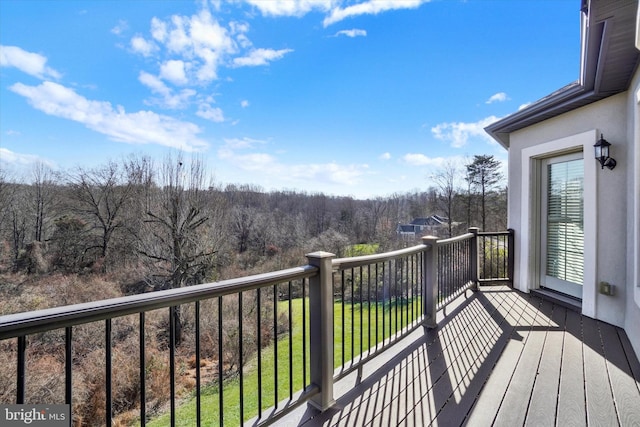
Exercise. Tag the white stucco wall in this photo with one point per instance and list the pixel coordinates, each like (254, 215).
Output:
(613, 188)
(632, 318)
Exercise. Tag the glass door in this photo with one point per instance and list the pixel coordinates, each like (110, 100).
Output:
(562, 224)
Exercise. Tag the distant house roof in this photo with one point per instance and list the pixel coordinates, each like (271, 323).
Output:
(432, 220)
(420, 221)
(609, 59)
(406, 229)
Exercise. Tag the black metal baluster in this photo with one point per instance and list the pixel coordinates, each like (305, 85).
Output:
(21, 374)
(401, 282)
(240, 365)
(390, 270)
(172, 364)
(143, 373)
(505, 253)
(361, 332)
(455, 285)
(275, 345)
(395, 287)
(220, 367)
(68, 363)
(439, 273)
(198, 399)
(405, 307)
(369, 306)
(259, 333)
(377, 291)
(290, 346)
(304, 334)
(108, 385)
(353, 320)
(343, 310)
(413, 286)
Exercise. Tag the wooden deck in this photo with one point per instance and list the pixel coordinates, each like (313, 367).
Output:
(499, 358)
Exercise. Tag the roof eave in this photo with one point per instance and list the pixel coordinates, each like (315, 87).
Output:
(501, 129)
(594, 41)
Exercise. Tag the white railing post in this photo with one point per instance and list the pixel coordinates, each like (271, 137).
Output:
(321, 329)
(430, 272)
(474, 257)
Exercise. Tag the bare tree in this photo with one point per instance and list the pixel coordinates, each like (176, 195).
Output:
(19, 226)
(175, 218)
(6, 194)
(374, 211)
(445, 180)
(42, 199)
(7, 191)
(174, 238)
(100, 195)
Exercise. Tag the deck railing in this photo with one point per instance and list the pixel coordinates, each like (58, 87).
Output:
(495, 256)
(276, 338)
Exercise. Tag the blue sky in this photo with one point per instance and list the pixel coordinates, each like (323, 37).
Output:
(346, 97)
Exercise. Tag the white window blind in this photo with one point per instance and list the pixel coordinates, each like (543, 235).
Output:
(565, 221)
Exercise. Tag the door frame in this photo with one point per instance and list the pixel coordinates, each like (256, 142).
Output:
(529, 258)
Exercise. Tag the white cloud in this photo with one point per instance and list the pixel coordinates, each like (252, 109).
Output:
(158, 30)
(244, 103)
(332, 173)
(291, 7)
(260, 57)
(174, 71)
(120, 27)
(206, 33)
(385, 156)
(498, 97)
(200, 39)
(238, 27)
(12, 132)
(419, 159)
(13, 158)
(523, 106)
(208, 112)
(190, 50)
(31, 63)
(459, 133)
(370, 7)
(142, 127)
(142, 46)
(352, 33)
(242, 143)
(269, 165)
(169, 99)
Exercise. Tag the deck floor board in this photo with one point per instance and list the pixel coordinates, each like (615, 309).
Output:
(544, 399)
(623, 385)
(500, 357)
(600, 407)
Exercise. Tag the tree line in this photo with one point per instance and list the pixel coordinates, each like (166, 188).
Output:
(133, 225)
(172, 222)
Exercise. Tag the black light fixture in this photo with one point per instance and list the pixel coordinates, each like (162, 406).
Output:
(602, 153)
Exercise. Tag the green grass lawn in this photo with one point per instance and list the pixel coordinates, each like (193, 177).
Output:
(356, 317)
(361, 249)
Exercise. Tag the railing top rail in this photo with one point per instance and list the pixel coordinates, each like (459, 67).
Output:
(455, 239)
(357, 261)
(495, 233)
(18, 324)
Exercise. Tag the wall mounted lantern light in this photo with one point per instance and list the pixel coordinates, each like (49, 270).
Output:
(602, 153)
